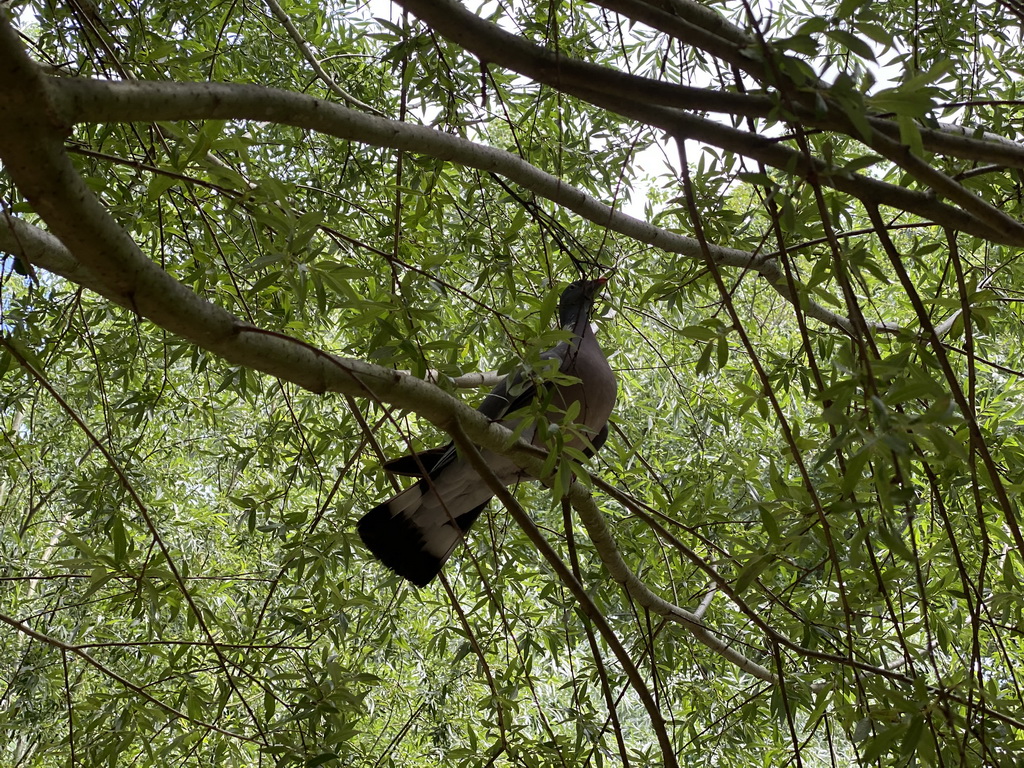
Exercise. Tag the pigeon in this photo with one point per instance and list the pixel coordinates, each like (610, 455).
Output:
(415, 532)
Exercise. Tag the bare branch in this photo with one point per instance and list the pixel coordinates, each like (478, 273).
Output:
(603, 540)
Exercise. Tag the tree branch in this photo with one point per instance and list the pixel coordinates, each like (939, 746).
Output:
(663, 104)
(83, 100)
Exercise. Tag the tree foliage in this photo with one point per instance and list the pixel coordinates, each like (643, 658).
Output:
(228, 225)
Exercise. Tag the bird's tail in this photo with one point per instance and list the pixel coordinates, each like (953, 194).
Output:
(412, 534)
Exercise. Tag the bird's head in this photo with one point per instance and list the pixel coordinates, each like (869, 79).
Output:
(577, 300)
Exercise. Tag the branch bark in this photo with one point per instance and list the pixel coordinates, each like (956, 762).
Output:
(65, 101)
(636, 681)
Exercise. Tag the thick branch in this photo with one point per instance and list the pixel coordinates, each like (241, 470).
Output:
(663, 104)
(41, 249)
(94, 100)
(678, 18)
(97, 101)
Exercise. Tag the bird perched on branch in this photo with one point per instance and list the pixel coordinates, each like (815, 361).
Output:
(415, 532)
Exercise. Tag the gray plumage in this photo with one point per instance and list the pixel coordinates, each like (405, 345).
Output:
(415, 532)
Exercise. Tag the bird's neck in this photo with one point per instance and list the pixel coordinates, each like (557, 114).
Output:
(579, 325)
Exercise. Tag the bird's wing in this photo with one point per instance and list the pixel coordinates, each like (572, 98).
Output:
(511, 393)
(417, 464)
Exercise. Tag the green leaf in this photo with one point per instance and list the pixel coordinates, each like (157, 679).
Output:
(848, 8)
(910, 134)
(852, 43)
(321, 759)
(754, 567)
(159, 184)
(699, 332)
